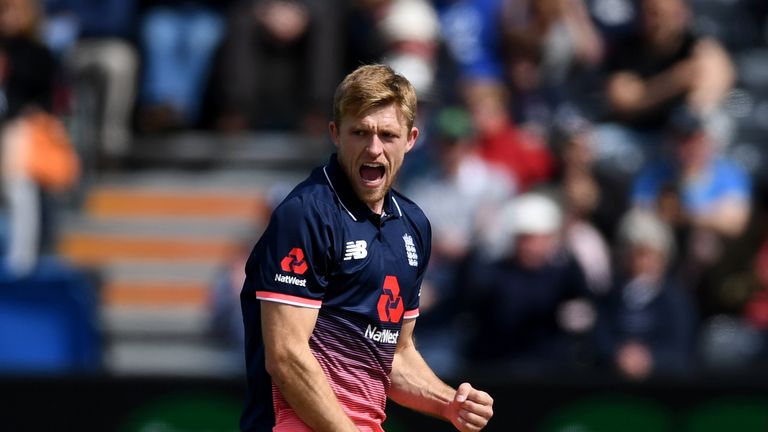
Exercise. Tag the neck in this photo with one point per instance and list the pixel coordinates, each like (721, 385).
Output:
(376, 207)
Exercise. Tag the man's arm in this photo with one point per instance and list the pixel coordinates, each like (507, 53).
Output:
(415, 386)
(729, 217)
(715, 76)
(704, 78)
(295, 370)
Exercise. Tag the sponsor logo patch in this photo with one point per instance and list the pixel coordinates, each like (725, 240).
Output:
(292, 280)
(384, 335)
(294, 262)
(390, 305)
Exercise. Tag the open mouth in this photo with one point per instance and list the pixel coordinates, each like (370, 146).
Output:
(372, 173)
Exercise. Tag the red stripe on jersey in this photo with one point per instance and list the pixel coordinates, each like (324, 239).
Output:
(411, 314)
(288, 299)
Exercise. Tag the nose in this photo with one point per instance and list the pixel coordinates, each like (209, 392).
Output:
(374, 146)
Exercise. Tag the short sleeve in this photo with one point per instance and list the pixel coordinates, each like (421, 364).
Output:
(289, 263)
(735, 182)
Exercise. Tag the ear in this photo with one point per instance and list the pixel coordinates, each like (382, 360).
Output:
(333, 130)
(411, 139)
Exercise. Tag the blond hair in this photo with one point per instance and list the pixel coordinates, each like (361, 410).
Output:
(373, 86)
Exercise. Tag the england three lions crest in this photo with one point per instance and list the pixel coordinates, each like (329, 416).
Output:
(410, 251)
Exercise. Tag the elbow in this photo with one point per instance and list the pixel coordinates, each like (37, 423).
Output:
(283, 362)
(276, 363)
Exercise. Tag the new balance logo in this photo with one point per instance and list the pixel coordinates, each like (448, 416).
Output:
(355, 250)
(294, 262)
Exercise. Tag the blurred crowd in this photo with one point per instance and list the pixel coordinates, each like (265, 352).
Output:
(575, 161)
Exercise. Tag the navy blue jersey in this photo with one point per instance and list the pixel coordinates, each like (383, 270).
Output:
(325, 249)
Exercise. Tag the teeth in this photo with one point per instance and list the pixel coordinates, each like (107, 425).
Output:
(372, 165)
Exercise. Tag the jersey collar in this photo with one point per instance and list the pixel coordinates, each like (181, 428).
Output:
(355, 208)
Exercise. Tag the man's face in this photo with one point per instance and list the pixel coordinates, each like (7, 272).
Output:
(663, 19)
(534, 251)
(647, 262)
(694, 151)
(371, 148)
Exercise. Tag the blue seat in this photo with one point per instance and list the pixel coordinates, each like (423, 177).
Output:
(49, 321)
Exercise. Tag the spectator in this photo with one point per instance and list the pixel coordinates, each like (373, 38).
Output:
(661, 70)
(95, 39)
(522, 154)
(27, 65)
(457, 198)
(713, 192)
(582, 196)
(531, 304)
(178, 41)
(226, 318)
(26, 88)
(705, 197)
(646, 324)
(409, 31)
(279, 64)
(471, 31)
(550, 46)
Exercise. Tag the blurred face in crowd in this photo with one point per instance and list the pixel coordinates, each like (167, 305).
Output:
(693, 151)
(487, 107)
(18, 17)
(533, 251)
(371, 148)
(646, 261)
(664, 20)
(452, 152)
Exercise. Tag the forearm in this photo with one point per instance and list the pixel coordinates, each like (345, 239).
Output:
(629, 95)
(296, 371)
(415, 386)
(587, 42)
(306, 389)
(714, 78)
(667, 85)
(728, 219)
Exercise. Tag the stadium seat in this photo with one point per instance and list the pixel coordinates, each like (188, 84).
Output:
(48, 322)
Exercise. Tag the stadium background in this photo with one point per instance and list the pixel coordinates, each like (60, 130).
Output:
(123, 316)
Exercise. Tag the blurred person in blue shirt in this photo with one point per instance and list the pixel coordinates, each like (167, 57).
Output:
(714, 193)
(471, 31)
(704, 196)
